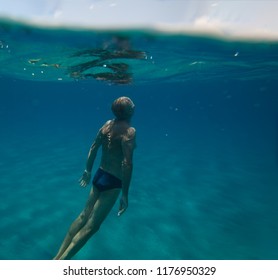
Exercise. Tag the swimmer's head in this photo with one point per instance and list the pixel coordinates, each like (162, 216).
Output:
(123, 108)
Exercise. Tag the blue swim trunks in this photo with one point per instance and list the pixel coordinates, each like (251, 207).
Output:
(104, 181)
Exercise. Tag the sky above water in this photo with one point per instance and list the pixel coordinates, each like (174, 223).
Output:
(240, 18)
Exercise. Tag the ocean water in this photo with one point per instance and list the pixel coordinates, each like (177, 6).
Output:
(206, 167)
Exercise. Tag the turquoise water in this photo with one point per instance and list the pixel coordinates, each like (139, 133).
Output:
(206, 166)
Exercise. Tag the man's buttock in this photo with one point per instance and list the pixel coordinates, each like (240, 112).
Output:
(104, 181)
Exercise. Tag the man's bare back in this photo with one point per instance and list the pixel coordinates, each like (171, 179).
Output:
(116, 136)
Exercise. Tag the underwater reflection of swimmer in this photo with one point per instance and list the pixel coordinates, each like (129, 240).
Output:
(117, 140)
(120, 75)
(118, 72)
(119, 78)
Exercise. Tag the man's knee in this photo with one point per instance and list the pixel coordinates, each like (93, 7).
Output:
(84, 216)
(78, 223)
(92, 227)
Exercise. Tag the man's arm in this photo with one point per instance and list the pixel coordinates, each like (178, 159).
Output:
(128, 146)
(86, 177)
(93, 152)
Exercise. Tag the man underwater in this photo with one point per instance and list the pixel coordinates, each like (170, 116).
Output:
(117, 139)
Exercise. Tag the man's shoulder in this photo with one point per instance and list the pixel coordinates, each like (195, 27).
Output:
(104, 129)
(109, 122)
(131, 131)
(129, 135)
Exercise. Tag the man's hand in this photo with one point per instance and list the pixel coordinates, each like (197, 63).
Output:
(123, 205)
(85, 179)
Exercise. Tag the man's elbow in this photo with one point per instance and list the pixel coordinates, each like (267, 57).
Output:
(127, 164)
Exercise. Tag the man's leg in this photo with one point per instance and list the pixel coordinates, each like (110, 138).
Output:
(79, 222)
(101, 209)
